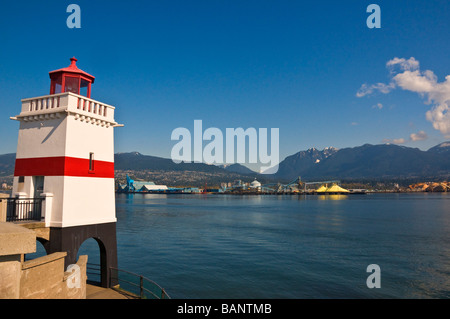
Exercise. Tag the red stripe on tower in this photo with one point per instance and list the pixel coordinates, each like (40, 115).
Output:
(62, 166)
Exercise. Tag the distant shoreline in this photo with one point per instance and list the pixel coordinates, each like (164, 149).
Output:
(283, 193)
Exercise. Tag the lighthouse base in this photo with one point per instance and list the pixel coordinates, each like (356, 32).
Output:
(69, 239)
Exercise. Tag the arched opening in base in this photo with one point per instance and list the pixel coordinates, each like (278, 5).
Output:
(40, 250)
(100, 240)
(91, 248)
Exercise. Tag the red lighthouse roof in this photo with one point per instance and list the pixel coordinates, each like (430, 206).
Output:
(71, 79)
(72, 68)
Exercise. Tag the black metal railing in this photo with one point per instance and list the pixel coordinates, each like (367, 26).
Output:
(136, 285)
(93, 272)
(23, 209)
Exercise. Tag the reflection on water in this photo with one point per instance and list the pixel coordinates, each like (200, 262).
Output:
(332, 197)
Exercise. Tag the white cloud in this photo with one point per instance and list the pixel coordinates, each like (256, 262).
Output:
(425, 83)
(416, 81)
(405, 65)
(414, 137)
(369, 89)
(377, 106)
(419, 136)
(394, 141)
(437, 93)
(398, 141)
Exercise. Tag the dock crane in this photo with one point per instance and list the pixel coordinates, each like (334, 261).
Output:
(295, 184)
(281, 188)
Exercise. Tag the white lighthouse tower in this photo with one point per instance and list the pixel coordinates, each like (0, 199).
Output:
(65, 154)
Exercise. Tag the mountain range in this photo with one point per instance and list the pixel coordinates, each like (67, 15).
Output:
(382, 161)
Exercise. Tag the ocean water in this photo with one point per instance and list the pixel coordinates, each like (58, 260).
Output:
(228, 246)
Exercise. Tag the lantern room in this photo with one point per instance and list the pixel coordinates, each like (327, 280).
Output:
(71, 79)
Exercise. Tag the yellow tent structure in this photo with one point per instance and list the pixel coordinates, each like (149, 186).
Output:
(321, 189)
(336, 189)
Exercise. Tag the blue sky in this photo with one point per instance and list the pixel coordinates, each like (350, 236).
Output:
(292, 65)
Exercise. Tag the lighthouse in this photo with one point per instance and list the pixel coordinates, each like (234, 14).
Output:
(65, 159)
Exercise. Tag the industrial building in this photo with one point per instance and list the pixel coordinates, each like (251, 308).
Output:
(140, 186)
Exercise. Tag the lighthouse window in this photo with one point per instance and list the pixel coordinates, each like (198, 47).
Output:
(56, 85)
(84, 87)
(21, 183)
(57, 88)
(71, 84)
(91, 161)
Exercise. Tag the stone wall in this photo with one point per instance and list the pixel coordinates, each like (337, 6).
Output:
(10, 269)
(45, 278)
(3, 205)
(39, 278)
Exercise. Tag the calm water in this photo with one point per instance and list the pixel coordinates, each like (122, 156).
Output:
(225, 246)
